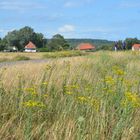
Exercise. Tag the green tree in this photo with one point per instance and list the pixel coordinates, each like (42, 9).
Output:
(2, 44)
(58, 43)
(130, 42)
(106, 47)
(20, 38)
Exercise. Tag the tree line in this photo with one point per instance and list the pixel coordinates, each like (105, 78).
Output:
(20, 38)
(129, 42)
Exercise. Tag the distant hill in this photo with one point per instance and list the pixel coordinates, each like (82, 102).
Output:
(97, 42)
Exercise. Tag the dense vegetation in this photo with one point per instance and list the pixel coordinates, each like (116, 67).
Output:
(97, 42)
(19, 38)
(95, 97)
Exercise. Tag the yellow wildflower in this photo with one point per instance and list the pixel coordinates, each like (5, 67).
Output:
(45, 83)
(74, 86)
(30, 89)
(46, 95)
(119, 72)
(109, 80)
(32, 103)
(82, 99)
(131, 99)
(48, 67)
(34, 93)
(95, 103)
(69, 93)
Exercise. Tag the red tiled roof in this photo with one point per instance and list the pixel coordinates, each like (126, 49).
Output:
(30, 45)
(136, 46)
(85, 46)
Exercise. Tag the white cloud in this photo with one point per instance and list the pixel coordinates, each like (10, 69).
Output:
(19, 5)
(67, 28)
(70, 4)
(3, 32)
(77, 3)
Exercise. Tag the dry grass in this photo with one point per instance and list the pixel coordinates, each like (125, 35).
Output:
(81, 98)
(13, 55)
(17, 56)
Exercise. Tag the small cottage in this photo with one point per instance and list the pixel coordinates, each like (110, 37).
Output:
(30, 47)
(136, 47)
(86, 47)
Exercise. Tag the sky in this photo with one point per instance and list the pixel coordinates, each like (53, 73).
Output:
(95, 19)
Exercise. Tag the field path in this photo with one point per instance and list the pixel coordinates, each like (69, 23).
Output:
(5, 64)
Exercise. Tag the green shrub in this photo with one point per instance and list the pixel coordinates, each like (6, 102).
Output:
(64, 54)
(43, 49)
(21, 57)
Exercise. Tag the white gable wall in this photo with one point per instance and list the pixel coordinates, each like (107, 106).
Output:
(30, 50)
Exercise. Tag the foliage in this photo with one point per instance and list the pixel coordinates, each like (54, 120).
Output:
(2, 44)
(44, 49)
(130, 42)
(64, 54)
(106, 47)
(21, 57)
(58, 43)
(97, 42)
(20, 38)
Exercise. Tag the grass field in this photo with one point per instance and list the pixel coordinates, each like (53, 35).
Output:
(93, 97)
(4, 57)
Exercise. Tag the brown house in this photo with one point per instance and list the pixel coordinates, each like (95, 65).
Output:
(136, 47)
(86, 47)
(30, 47)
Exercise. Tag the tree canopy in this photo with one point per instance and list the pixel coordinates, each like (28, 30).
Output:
(20, 38)
(57, 43)
(130, 42)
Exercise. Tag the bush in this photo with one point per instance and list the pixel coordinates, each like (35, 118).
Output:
(43, 49)
(21, 57)
(64, 54)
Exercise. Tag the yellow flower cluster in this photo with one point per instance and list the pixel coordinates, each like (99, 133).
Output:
(32, 91)
(48, 67)
(70, 88)
(46, 95)
(32, 103)
(108, 90)
(131, 99)
(82, 99)
(109, 80)
(118, 71)
(45, 83)
(90, 101)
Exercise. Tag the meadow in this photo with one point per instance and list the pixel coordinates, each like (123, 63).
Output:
(91, 97)
(21, 56)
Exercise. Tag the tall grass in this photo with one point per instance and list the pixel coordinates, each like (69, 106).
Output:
(86, 98)
(18, 56)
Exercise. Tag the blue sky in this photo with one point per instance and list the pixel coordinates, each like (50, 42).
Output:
(97, 19)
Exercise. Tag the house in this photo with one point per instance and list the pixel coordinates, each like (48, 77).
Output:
(136, 47)
(30, 47)
(86, 47)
